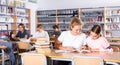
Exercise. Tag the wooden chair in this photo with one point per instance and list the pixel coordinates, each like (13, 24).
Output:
(80, 60)
(33, 59)
(24, 46)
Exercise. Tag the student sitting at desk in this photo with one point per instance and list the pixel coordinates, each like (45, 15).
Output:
(72, 39)
(40, 33)
(22, 33)
(56, 32)
(96, 42)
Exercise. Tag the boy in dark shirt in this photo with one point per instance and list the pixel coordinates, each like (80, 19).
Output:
(56, 32)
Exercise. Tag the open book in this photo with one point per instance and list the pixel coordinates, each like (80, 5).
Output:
(79, 51)
(83, 51)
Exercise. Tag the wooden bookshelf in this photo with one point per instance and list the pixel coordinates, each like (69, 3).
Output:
(12, 13)
(60, 17)
(107, 17)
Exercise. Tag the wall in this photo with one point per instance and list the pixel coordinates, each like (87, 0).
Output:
(62, 4)
(33, 8)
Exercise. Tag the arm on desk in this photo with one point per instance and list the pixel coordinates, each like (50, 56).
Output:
(57, 44)
(60, 47)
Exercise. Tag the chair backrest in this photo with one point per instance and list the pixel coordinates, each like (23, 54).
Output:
(23, 45)
(33, 59)
(87, 61)
(115, 49)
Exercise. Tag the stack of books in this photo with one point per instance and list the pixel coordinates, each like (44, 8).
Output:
(42, 46)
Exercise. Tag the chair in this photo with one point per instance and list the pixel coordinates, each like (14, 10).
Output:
(80, 60)
(24, 46)
(115, 49)
(33, 59)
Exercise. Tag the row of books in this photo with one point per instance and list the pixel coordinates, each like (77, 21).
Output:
(113, 27)
(113, 19)
(46, 12)
(113, 12)
(10, 10)
(58, 12)
(6, 10)
(93, 19)
(21, 12)
(17, 3)
(3, 27)
(6, 19)
(11, 20)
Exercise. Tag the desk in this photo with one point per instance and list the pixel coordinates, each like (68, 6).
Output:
(115, 43)
(107, 56)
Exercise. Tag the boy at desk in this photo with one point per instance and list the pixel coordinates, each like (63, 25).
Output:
(22, 33)
(96, 42)
(56, 32)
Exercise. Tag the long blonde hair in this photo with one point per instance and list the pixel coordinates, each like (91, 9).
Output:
(75, 21)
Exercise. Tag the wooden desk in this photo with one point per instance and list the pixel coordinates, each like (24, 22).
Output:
(107, 56)
(115, 43)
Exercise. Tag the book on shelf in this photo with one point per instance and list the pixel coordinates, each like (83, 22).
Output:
(10, 2)
(3, 2)
(10, 10)
(2, 10)
(4, 28)
(0, 28)
(2, 19)
(20, 3)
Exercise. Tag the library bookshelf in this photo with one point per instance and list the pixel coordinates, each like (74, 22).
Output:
(12, 13)
(107, 17)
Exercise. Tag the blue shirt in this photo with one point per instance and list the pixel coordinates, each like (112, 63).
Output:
(22, 35)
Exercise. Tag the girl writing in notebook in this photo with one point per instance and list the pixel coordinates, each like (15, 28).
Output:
(96, 42)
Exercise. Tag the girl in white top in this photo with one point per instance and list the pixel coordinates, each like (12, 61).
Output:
(72, 39)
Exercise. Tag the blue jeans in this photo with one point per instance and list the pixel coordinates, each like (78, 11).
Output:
(9, 51)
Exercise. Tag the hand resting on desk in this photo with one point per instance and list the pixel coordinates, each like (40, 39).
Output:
(67, 48)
